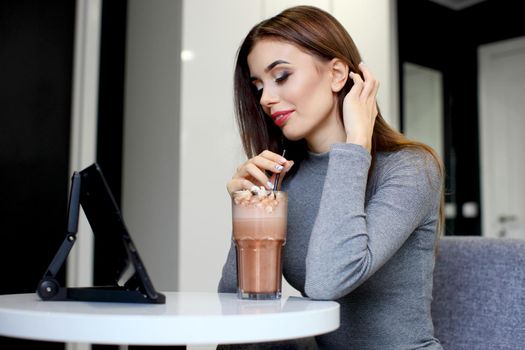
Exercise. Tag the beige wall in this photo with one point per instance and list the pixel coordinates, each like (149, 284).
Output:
(185, 249)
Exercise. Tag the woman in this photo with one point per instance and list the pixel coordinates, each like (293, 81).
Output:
(364, 201)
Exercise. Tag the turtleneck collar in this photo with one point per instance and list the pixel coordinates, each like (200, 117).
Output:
(316, 162)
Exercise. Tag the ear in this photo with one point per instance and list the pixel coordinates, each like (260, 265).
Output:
(339, 72)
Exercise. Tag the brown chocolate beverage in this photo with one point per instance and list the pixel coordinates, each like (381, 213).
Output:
(259, 233)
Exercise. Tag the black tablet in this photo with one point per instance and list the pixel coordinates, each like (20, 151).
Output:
(129, 281)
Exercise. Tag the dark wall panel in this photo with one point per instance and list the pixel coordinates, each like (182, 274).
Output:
(36, 55)
(440, 38)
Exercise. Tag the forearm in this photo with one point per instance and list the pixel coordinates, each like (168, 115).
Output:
(339, 240)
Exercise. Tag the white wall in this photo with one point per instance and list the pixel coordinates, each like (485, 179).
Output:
(209, 147)
(151, 135)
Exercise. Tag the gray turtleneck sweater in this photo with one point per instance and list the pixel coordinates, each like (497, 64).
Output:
(367, 242)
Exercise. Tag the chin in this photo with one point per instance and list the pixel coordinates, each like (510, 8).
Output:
(292, 136)
(293, 133)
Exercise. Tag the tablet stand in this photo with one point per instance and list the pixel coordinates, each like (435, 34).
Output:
(132, 285)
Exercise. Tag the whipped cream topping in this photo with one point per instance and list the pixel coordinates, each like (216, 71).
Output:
(258, 197)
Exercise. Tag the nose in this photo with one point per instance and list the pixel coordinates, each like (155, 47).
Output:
(268, 98)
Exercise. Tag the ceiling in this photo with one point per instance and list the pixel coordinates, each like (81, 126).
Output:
(457, 4)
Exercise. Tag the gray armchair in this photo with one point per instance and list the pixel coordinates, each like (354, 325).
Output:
(479, 293)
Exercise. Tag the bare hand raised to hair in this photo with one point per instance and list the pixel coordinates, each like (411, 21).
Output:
(254, 172)
(360, 108)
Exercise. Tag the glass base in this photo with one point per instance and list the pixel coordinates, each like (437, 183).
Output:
(258, 296)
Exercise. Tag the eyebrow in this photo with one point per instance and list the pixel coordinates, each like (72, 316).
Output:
(271, 66)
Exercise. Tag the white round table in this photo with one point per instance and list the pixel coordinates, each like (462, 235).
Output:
(186, 318)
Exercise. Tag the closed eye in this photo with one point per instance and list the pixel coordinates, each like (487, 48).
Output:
(281, 78)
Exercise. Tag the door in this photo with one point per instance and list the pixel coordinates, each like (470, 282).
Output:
(502, 139)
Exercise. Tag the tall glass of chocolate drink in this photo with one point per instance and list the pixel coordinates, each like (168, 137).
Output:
(259, 233)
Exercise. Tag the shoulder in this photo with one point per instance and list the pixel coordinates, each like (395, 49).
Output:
(413, 163)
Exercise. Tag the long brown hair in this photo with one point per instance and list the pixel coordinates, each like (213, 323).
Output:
(320, 34)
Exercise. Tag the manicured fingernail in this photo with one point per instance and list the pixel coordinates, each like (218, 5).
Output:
(290, 167)
(269, 185)
(279, 167)
(282, 160)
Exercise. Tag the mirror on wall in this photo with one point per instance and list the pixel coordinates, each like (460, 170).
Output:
(423, 105)
(424, 120)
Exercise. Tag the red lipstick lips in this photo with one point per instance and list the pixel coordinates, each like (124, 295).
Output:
(281, 116)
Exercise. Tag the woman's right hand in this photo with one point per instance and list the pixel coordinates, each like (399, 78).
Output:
(254, 171)
(360, 108)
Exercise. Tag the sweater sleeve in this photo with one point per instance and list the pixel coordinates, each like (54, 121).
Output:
(350, 242)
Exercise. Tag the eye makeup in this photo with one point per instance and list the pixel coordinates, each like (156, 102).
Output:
(282, 77)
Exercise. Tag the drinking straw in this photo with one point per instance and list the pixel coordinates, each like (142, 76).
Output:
(277, 177)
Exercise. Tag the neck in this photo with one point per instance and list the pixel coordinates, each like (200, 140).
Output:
(330, 132)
